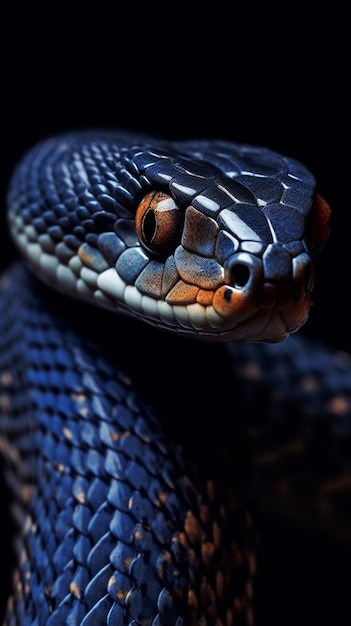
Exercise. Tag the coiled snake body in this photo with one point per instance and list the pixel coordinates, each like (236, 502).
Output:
(126, 448)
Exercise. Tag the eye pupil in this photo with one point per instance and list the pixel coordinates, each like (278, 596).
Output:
(149, 226)
(159, 222)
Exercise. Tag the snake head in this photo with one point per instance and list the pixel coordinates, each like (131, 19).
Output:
(208, 239)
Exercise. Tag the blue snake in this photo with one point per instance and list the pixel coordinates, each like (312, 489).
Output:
(156, 283)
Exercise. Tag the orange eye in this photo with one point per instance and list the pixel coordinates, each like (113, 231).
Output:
(158, 222)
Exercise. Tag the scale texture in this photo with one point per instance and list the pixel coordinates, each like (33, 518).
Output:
(112, 528)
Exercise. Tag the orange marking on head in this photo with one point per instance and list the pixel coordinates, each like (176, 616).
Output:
(182, 293)
(232, 303)
(205, 297)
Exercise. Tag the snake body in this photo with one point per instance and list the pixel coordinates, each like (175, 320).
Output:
(126, 447)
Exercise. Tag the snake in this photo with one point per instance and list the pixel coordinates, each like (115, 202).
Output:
(153, 386)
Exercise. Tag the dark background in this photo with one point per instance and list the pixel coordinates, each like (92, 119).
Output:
(244, 75)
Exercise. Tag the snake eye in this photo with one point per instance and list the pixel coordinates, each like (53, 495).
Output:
(158, 222)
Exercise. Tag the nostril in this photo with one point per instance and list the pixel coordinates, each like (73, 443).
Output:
(243, 271)
(239, 275)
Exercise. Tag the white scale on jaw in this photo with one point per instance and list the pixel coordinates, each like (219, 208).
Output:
(191, 316)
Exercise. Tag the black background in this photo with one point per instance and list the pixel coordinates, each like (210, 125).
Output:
(274, 79)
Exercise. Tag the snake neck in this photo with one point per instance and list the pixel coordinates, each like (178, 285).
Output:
(190, 384)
